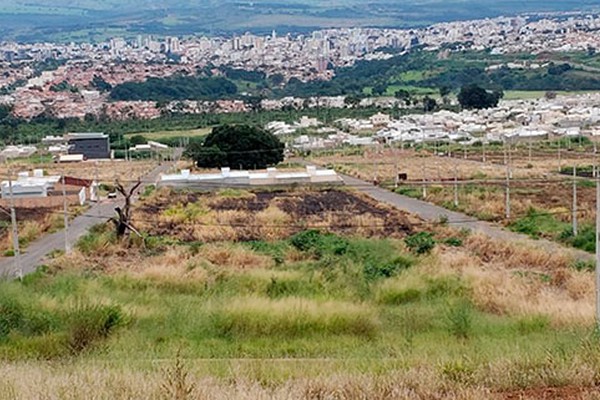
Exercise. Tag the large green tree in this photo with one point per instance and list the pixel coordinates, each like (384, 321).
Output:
(237, 146)
(476, 97)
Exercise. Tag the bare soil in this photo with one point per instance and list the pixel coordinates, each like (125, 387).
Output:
(551, 393)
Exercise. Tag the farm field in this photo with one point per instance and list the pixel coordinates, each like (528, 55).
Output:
(540, 198)
(278, 294)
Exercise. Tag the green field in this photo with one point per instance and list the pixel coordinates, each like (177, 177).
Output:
(160, 135)
(537, 94)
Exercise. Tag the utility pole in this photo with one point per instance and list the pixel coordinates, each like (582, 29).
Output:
(374, 170)
(483, 146)
(455, 185)
(424, 179)
(15, 230)
(66, 214)
(530, 152)
(396, 172)
(598, 252)
(510, 158)
(507, 191)
(559, 160)
(574, 218)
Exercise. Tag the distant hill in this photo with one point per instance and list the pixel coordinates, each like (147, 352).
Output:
(97, 19)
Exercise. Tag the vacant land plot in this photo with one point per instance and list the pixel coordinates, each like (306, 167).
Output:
(541, 198)
(259, 303)
(243, 216)
(106, 171)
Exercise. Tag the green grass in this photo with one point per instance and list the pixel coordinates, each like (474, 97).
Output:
(537, 94)
(169, 134)
(539, 224)
(330, 304)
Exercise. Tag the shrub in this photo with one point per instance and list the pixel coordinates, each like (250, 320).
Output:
(318, 243)
(89, 324)
(373, 271)
(148, 190)
(460, 320)
(420, 243)
(276, 250)
(454, 242)
(585, 240)
(11, 315)
(100, 237)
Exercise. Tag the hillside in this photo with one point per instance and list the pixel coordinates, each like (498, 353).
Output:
(84, 20)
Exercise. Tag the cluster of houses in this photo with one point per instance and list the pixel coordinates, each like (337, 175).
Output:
(516, 120)
(38, 190)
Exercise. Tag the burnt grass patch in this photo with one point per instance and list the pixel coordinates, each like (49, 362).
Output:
(338, 211)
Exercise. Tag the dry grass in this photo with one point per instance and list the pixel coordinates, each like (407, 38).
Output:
(448, 381)
(512, 279)
(515, 255)
(485, 200)
(382, 164)
(107, 171)
(273, 223)
(96, 382)
(234, 257)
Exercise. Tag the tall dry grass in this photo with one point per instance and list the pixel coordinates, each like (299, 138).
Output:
(512, 279)
(248, 380)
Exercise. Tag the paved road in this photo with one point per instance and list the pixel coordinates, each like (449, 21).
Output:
(433, 213)
(37, 251)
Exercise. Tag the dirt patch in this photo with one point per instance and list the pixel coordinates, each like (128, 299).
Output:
(562, 393)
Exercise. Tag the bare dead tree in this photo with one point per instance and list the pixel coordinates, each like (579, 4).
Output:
(123, 220)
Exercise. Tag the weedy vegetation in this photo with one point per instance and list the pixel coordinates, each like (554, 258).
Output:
(315, 311)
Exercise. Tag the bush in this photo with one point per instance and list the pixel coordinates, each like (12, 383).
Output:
(318, 243)
(11, 315)
(420, 243)
(460, 320)
(454, 242)
(89, 324)
(373, 271)
(99, 237)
